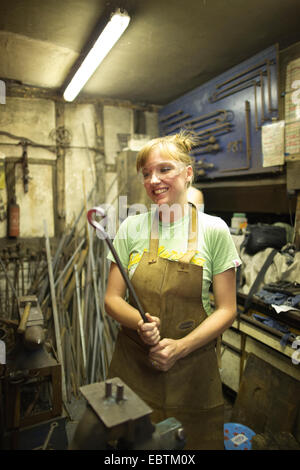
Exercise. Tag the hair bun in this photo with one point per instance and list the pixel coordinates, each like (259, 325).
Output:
(186, 139)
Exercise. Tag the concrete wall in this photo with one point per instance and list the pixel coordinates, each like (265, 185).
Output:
(34, 119)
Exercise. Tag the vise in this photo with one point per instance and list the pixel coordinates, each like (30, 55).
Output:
(115, 418)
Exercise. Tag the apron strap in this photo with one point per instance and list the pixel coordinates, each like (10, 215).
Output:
(192, 241)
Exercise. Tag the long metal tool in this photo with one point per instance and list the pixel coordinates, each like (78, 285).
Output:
(100, 212)
(244, 72)
(248, 142)
(218, 94)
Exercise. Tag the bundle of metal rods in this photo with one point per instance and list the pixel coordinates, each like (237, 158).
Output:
(69, 280)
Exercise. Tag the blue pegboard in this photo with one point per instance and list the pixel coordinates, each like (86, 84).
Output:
(232, 153)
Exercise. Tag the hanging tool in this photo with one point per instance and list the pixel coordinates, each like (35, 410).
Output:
(233, 91)
(244, 72)
(13, 219)
(219, 94)
(169, 116)
(2, 186)
(248, 143)
(212, 130)
(176, 120)
(24, 144)
(208, 149)
(48, 437)
(100, 232)
(31, 322)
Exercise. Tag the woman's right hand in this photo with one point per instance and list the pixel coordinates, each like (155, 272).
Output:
(149, 331)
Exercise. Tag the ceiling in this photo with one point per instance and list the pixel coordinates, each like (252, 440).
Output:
(169, 48)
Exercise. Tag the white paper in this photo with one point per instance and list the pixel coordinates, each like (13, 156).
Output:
(273, 144)
(284, 308)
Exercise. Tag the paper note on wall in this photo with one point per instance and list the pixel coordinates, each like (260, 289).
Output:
(292, 108)
(273, 144)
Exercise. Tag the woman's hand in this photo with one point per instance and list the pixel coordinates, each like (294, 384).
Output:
(164, 355)
(149, 332)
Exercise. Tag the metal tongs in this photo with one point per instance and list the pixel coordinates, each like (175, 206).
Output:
(101, 233)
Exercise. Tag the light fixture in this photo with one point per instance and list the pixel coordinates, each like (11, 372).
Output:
(108, 37)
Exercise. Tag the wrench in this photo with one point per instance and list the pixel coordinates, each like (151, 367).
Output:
(48, 437)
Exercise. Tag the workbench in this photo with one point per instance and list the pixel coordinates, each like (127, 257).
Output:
(247, 335)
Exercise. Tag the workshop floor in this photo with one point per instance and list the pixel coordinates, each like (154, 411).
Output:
(77, 407)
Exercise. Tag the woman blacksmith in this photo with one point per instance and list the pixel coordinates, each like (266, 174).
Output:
(173, 255)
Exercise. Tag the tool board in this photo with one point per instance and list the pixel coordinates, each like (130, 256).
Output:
(227, 114)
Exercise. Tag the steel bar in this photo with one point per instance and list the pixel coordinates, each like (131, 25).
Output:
(9, 281)
(240, 82)
(98, 227)
(262, 95)
(178, 119)
(169, 116)
(204, 117)
(92, 165)
(210, 140)
(232, 92)
(208, 149)
(55, 311)
(79, 311)
(244, 72)
(214, 128)
(69, 262)
(257, 127)
(99, 327)
(205, 123)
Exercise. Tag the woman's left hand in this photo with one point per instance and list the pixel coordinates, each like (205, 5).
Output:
(164, 354)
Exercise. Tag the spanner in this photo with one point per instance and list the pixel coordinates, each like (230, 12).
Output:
(48, 437)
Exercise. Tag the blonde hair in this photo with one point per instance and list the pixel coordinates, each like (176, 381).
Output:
(174, 147)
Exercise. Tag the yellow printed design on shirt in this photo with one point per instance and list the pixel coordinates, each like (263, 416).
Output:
(173, 255)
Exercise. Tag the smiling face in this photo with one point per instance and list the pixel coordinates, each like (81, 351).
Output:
(166, 179)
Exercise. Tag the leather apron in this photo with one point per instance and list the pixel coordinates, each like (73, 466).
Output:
(191, 391)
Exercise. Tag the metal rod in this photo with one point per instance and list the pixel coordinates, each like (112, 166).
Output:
(240, 88)
(80, 316)
(178, 119)
(252, 75)
(262, 95)
(100, 211)
(244, 72)
(55, 312)
(169, 116)
(206, 116)
(257, 127)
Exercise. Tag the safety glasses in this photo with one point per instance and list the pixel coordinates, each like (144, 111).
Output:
(162, 171)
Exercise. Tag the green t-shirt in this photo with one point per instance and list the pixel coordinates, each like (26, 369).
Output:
(216, 251)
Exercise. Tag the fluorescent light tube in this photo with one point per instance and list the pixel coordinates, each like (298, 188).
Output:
(107, 39)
